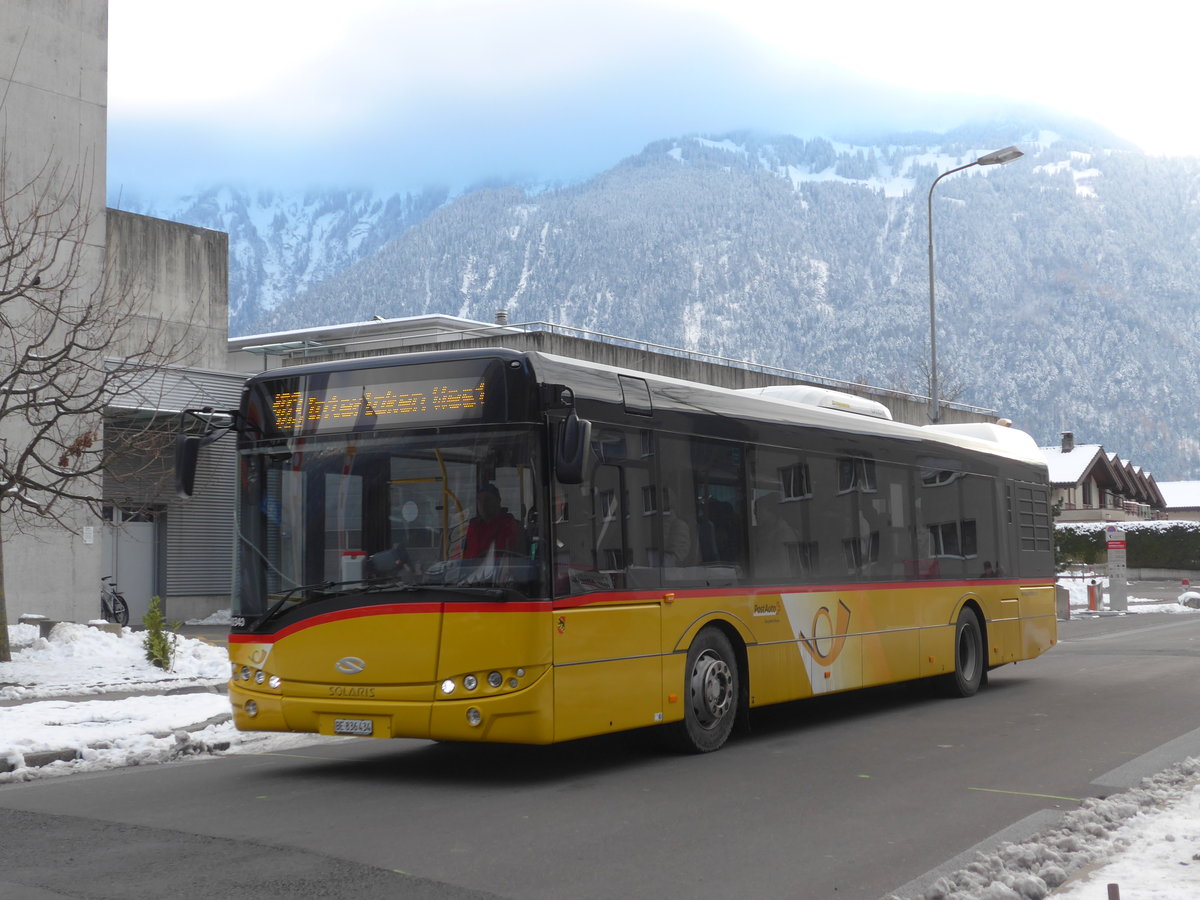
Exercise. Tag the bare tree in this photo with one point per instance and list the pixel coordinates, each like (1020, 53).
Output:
(915, 379)
(72, 343)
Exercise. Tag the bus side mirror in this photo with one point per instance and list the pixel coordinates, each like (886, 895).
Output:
(187, 455)
(187, 446)
(574, 442)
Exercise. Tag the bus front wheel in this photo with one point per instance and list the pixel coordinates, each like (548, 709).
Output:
(969, 667)
(711, 691)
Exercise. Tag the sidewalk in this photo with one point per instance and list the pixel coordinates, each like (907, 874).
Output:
(84, 698)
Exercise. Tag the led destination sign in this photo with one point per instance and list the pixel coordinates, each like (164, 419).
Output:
(348, 407)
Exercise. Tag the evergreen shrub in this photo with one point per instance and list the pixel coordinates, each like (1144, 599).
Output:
(1149, 545)
(160, 638)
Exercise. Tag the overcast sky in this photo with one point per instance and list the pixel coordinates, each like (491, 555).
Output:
(395, 94)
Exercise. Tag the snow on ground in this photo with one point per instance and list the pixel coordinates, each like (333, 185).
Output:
(1077, 589)
(1146, 840)
(78, 659)
(45, 705)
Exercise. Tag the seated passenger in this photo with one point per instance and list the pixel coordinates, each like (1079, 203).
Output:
(493, 527)
(677, 541)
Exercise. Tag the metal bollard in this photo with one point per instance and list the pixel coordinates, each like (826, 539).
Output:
(1093, 590)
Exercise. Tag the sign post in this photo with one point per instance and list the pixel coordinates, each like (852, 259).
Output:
(1118, 584)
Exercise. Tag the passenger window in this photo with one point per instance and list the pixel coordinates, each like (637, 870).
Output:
(606, 532)
(704, 512)
(783, 547)
(950, 508)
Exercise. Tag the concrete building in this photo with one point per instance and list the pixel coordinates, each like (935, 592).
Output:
(53, 81)
(166, 282)
(154, 543)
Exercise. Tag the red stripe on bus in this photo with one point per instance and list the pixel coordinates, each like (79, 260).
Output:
(389, 609)
(357, 612)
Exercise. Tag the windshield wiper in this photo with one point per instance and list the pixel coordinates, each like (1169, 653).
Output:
(270, 613)
(374, 585)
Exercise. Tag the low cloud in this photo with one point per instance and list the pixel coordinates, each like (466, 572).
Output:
(405, 96)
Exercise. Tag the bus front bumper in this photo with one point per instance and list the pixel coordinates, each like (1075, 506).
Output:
(520, 717)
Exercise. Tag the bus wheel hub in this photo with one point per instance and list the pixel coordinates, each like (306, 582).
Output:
(711, 688)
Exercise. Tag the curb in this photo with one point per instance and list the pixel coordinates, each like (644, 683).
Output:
(40, 758)
(143, 690)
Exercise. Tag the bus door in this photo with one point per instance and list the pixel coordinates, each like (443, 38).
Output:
(606, 536)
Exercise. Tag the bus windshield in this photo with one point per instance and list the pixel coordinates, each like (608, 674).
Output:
(345, 512)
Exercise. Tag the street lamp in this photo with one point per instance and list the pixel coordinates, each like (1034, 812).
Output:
(995, 158)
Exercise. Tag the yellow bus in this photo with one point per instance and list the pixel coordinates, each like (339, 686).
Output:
(493, 545)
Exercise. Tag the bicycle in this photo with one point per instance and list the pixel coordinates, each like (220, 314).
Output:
(112, 605)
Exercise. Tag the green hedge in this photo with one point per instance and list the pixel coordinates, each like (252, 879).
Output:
(1150, 545)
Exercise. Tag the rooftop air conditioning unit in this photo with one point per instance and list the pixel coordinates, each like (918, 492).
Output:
(822, 397)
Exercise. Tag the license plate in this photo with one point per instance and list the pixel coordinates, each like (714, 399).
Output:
(353, 726)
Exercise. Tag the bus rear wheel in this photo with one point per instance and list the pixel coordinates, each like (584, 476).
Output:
(711, 692)
(969, 665)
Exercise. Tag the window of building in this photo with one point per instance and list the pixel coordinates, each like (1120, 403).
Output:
(802, 558)
(795, 482)
(861, 552)
(856, 473)
(954, 539)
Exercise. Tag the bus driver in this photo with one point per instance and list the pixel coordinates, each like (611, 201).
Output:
(493, 527)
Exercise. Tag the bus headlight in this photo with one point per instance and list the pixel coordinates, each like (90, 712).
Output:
(496, 681)
(251, 708)
(474, 717)
(260, 676)
(275, 682)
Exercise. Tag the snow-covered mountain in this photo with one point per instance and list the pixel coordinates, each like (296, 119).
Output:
(1068, 283)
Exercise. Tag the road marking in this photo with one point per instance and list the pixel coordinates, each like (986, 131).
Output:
(1025, 794)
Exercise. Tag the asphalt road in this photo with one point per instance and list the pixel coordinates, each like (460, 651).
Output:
(849, 797)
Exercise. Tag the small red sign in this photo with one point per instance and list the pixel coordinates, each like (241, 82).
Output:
(1116, 545)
